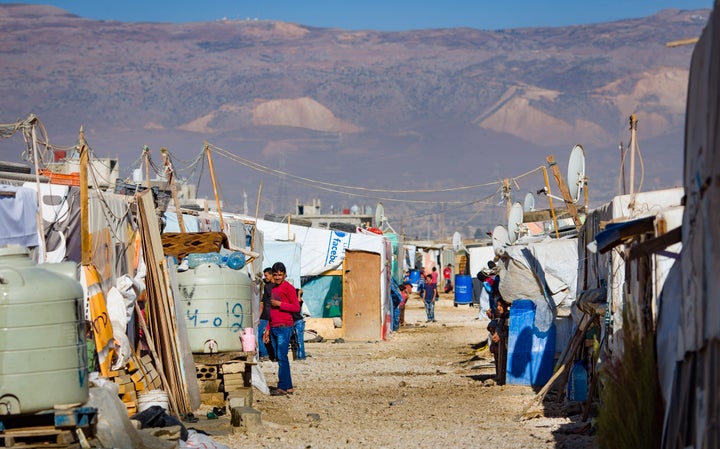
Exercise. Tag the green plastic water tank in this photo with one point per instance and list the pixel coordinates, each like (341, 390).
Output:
(43, 356)
(217, 303)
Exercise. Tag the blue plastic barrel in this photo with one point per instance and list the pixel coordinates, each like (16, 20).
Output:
(531, 353)
(415, 279)
(463, 289)
(414, 276)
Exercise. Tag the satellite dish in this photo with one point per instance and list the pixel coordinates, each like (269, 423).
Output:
(576, 172)
(500, 239)
(529, 203)
(515, 220)
(379, 215)
(457, 241)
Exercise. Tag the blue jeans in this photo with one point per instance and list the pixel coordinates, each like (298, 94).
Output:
(281, 342)
(430, 310)
(299, 326)
(262, 349)
(395, 318)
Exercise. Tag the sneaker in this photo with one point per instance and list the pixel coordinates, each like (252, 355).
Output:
(434, 321)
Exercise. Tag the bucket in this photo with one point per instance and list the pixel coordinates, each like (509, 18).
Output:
(463, 289)
(248, 340)
(147, 399)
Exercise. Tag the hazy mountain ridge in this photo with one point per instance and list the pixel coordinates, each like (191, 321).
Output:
(320, 98)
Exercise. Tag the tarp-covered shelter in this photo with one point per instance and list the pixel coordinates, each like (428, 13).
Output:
(688, 340)
(598, 268)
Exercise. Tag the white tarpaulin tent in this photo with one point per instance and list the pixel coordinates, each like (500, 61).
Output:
(543, 270)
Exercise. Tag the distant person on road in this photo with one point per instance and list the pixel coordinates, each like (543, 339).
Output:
(284, 302)
(447, 276)
(405, 291)
(429, 297)
(267, 285)
(299, 329)
(499, 329)
(434, 275)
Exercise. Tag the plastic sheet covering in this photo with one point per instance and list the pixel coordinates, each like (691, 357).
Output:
(114, 428)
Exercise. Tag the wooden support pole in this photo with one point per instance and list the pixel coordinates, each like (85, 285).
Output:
(84, 202)
(633, 145)
(212, 176)
(146, 160)
(564, 191)
(170, 174)
(506, 193)
(552, 209)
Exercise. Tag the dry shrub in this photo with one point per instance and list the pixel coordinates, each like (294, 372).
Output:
(631, 410)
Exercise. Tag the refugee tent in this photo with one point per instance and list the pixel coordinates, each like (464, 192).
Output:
(598, 269)
(323, 254)
(688, 343)
(288, 253)
(543, 270)
(479, 255)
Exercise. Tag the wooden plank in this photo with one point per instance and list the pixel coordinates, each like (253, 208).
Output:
(652, 246)
(221, 358)
(564, 191)
(137, 376)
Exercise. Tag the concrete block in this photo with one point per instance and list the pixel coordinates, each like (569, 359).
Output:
(325, 327)
(246, 417)
(243, 393)
(214, 399)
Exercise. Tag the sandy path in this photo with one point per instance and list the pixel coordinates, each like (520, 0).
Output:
(425, 387)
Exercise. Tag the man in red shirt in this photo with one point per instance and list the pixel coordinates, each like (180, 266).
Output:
(283, 302)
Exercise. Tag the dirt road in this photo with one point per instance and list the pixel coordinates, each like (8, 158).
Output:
(426, 387)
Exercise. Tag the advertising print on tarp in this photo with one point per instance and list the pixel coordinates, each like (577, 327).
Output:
(337, 243)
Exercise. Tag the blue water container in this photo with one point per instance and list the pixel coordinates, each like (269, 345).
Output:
(531, 353)
(463, 289)
(414, 276)
(415, 279)
(577, 388)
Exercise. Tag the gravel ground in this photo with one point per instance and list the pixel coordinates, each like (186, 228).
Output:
(428, 386)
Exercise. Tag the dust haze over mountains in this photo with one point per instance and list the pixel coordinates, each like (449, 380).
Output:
(416, 110)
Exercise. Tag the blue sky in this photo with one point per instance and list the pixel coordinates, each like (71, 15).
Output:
(388, 15)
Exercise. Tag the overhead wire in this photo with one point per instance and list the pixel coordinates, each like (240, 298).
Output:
(265, 169)
(343, 189)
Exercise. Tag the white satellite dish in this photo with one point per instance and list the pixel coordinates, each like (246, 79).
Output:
(515, 221)
(529, 203)
(500, 240)
(379, 215)
(576, 172)
(457, 241)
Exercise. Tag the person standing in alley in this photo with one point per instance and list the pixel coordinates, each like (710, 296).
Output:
(267, 285)
(429, 297)
(299, 329)
(447, 276)
(284, 302)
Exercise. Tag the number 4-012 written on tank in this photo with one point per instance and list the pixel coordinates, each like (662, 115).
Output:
(233, 317)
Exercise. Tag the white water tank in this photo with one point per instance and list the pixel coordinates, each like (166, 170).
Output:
(217, 305)
(43, 355)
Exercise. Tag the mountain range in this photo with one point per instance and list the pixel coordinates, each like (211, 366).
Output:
(303, 111)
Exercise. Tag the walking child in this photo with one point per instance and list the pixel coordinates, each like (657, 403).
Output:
(430, 296)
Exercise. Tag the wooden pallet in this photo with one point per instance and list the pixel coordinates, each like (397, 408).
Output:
(37, 437)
